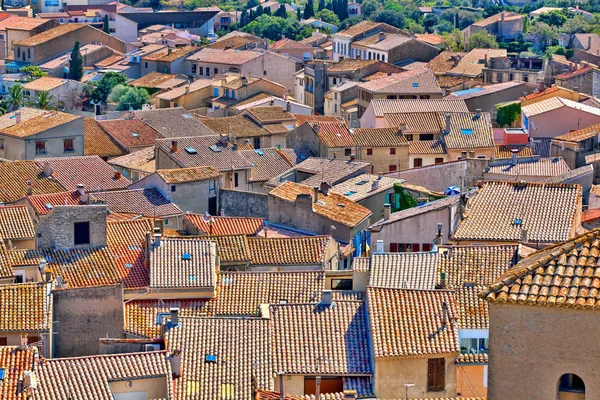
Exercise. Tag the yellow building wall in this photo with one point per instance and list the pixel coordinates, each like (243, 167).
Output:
(470, 381)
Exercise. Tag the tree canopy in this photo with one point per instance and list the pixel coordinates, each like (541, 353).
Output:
(128, 97)
(481, 40)
(76, 63)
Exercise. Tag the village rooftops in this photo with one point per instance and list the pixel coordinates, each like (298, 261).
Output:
(219, 226)
(177, 92)
(130, 132)
(363, 186)
(27, 307)
(172, 122)
(404, 270)
(158, 80)
(185, 175)
(226, 56)
(500, 17)
(378, 137)
(471, 64)
(486, 90)
(364, 28)
(503, 211)
(383, 41)
(48, 35)
(44, 84)
(44, 203)
(332, 206)
(147, 202)
(351, 65)
(418, 210)
(385, 106)
(15, 223)
(288, 251)
(36, 124)
(580, 134)
(544, 167)
(18, 177)
(97, 142)
(554, 103)
(270, 162)
(415, 81)
(141, 160)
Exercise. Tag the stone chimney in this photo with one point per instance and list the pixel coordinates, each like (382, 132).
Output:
(448, 123)
(173, 146)
(175, 360)
(117, 175)
(502, 16)
(315, 194)
(47, 168)
(174, 316)
(589, 46)
(81, 189)
(387, 211)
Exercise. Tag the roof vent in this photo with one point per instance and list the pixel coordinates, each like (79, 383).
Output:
(215, 148)
(211, 358)
(327, 298)
(191, 150)
(186, 256)
(128, 265)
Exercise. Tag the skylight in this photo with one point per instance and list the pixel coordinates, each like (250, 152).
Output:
(188, 116)
(259, 152)
(2, 373)
(349, 193)
(135, 135)
(127, 265)
(518, 221)
(49, 206)
(466, 131)
(363, 182)
(211, 358)
(215, 148)
(415, 84)
(191, 150)
(192, 278)
(186, 256)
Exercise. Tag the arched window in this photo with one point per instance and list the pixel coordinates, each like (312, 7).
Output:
(571, 383)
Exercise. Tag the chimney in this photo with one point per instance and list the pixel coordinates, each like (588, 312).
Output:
(352, 157)
(187, 89)
(375, 185)
(175, 360)
(444, 314)
(478, 112)
(514, 156)
(442, 280)
(147, 250)
(81, 189)
(157, 237)
(502, 16)
(318, 388)
(315, 194)
(349, 394)
(18, 113)
(324, 188)
(173, 146)
(439, 233)
(281, 386)
(117, 175)
(381, 36)
(47, 168)
(174, 316)
(48, 273)
(387, 211)
(327, 298)
(448, 123)
(23, 340)
(389, 73)
(29, 187)
(169, 51)
(589, 42)
(524, 236)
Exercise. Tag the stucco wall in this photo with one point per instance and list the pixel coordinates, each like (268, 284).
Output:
(237, 203)
(471, 380)
(532, 347)
(439, 177)
(560, 121)
(84, 316)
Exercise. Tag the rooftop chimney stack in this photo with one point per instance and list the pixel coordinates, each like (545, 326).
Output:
(81, 189)
(47, 168)
(444, 314)
(117, 175)
(327, 298)
(29, 187)
(173, 146)
(318, 387)
(315, 194)
(524, 236)
(174, 316)
(375, 185)
(281, 386)
(442, 280)
(157, 238)
(514, 152)
(387, 211)
(448, 123)
(18, 115)
(175, 360)
(589, 42)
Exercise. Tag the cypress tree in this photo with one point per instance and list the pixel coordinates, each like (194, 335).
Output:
(76, 63)
(309, 10)
(344, 10)
(321, 4)
(105, 27)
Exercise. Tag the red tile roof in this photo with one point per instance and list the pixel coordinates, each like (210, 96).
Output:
(226, 225)
(130, 132)
(39, 202)
(147, 202)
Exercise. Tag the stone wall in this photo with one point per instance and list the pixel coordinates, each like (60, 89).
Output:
(438, 177)
(84, 315)
(237, 203)
(57, 229)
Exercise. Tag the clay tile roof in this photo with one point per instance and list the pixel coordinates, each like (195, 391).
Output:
(418, 314)
(172, 122)
(543, 167)
(242, 293)
(226, 225)
(232, 248)
(388, 42)
(579, 135)
(288, 251)
(469, 269)
(232, 42)
(16, 223)
(146, 202)
(185, 175)
(301, 119)
(544, 92)
(170, 269)
(430, 38)
(414, 81)
(270, 114)
(97, 142)
(289, 44)
(90, 171)
(127, 242)
(501, 210)
(404, 270)
(384, 106)
(40, 202)
(333, 134)
(14, 177)
(48, 35)
(333, 206)
(365, 185)
(158, 80)
(572, 74)
(361, 28)
(179, 91)
(176, 53)
(320, 339)
(468, 131)
(44, 84)
(25, 308)
(228, 56)
(91, 376)
(234, 370)
(350, 65)
(41, 123)
(504, 151)
(15, 362)
(130, 133)
(470, 64)
(333, 171)
(426, 147)
(465, 359)
(378, 137)
(270, 162)
(239, 126)
(562, 275)
(141, 160)
(505, 15)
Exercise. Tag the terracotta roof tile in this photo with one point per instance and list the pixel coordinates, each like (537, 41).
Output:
(320, 339)
(172, 122)
(383, 106)
(411, 322)
(501, 210)
(48, 35)
(466, 359)
(141, 160)
(270, 114)
(14, 177)
(185, 175)
(270, 162)
(83, 267)
(97, 142)
(41, 202)
(130, 133)
(16, 223)
(468, 131)
(414, 81)
(363, 186)
(25, 307)
(227, 56)
(232, 248)
(579, 135)
(234, 370)
(543, 167)
(169, 267)
(332, 171)
(505, 151)
(333, 134)
(378, 137)
(572, 74)
(563, 275)
(45, 83)
(289, 251)
(91, 171)
(544, 92)
(239, 126)
(333, 206)
(471, 65)
(301, 119)
(426, 147)
(35, 125)
(351, 65)
(226, 225)
(146, 202)
(16, 362)
(404, 270)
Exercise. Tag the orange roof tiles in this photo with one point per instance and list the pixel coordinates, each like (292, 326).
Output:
(226, 225)
(289, 251)
(39, 202)
(544, 92)
(83, 267)
(15, 178)
(25, 307)
(378, 137)
(97, 142)
(130, 132)
(33, 126)
(333, 134)
(48, 35)
(16, 223)
(185, 175)
(15, 361)
(581, 134)
(333, 206)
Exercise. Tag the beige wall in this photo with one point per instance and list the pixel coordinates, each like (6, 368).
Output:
(155, 388)
(382, 159)
(188, 101)
(560, 121)
(21, 244)
(293, 384)
(428, 159)
(532, 347)
(471, 153)
(391, 375)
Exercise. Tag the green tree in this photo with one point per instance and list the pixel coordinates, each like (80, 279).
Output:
(343, 10)
(33, 71)
(15, 97)
(545, 34)
(369, 7)
(105, 24)
(328, 16)
(454, 40)
(444, 27)
(76, 63)
(577, 24)
(309, 10)
(393, 18)
(414, 27)
(281, 12)
(104, 86)
(43, 101)
(321, 5)
(553, 18)
(128, 97)
(481, 40)
(429, 22)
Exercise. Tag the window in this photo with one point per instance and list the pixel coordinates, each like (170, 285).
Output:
(474, 345)
(436, 375)
(212, 186)
(392, 168)
(369, 152)
(409, 137)
(404, 247)
(233, 94)
(1, 143)
(146, 65)
(201, 71)
(236, 179)
(347, 152)
(265, 73)
(256, 143)
(82, 233)
(392, 151)
(341, 284)
(173, 188)
(29, 52)
(40, 147)
(571, 383)
(426, 136)
(215, 71)
(18, 52)
(426, 246)
(194, 68)
(439, 160)
(417, 162)
(334, 81)
(19, 276)
(68, 145)
(3, 341)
